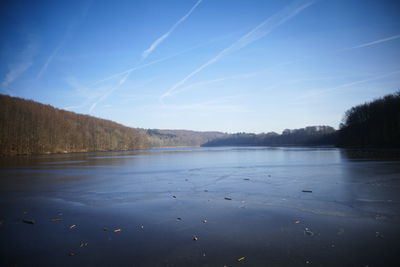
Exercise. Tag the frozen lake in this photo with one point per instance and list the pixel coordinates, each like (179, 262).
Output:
(255, 206)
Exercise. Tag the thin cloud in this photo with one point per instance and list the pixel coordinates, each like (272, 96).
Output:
(323, 91)
(157, 42)
(68, 33)
(218, 80)
(220, 104)
(51, 57)
(376, 42)
(161, 59)
(365, 80)
(22, 63)
(120, 83)
(232, 77)
(113, 89)
(257, 33)
(15, 70)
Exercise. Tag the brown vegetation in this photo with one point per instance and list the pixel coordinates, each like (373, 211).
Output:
(28, 127)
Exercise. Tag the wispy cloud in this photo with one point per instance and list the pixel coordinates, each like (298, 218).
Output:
(364, 80)
(210, 107)
(255, 34)
(376, 42)
(345, 85)
(23, 61)
(15, 70)
(112, 76)
(125, 74)
(231, 77)
(68, 33)
(52, 55)
(218, 80)
(107, 94)
(157, 42)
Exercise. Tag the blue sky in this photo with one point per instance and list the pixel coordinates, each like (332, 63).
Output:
(225, 65)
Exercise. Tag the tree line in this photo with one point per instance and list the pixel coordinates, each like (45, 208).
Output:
(372, 124)
(308, 136)
(29, 127)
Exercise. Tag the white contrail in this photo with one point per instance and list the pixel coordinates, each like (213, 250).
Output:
(52, 55)
(68, 33)
(133, 69)
(163, 59)
(23, 62)
(128, 72)
(363, 81)
(120, 83)
(376, 42)
(257, 33)
(377, 77)
(157, 42)
(218, 80)
(232, 77)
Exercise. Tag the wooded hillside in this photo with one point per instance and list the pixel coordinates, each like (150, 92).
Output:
(28, 127)
(373, 124)
(309, 136)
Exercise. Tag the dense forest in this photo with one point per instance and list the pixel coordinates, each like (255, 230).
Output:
(309, 136)
(373, 124)
(28, 127)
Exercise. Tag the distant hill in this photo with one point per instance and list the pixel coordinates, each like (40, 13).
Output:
(174, 138)
(309, 136)
(29, 127)
(373, 124)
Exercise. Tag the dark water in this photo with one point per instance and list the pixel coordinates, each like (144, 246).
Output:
(162, 199)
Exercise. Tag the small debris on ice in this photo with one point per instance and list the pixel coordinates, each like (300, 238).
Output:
(241, 259)
(308, 232)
